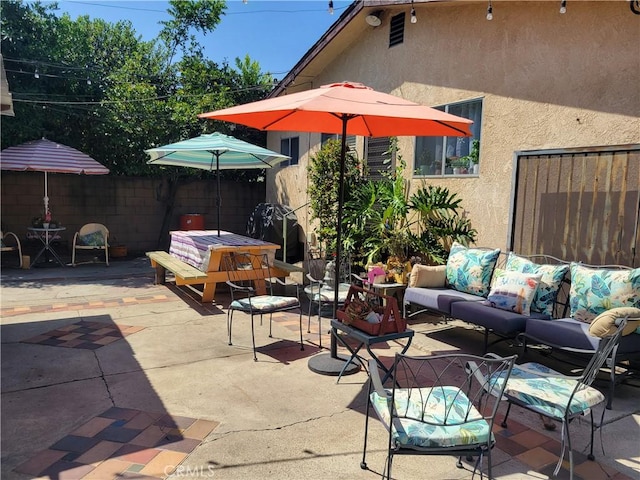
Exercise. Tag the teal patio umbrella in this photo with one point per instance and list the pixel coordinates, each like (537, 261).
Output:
(215, 152)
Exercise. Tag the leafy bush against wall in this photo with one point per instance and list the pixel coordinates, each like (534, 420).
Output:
(324, 183)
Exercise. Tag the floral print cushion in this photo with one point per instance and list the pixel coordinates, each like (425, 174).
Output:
(264, 303)
(465, 425)
(469, 270)
(94, 239)
(548, 391)
(594, 290)
(552, 276)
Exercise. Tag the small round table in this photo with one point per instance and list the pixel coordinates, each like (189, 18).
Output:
(46, 236)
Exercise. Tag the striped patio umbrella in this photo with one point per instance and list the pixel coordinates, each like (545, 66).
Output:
(214, 152)
(46, 156)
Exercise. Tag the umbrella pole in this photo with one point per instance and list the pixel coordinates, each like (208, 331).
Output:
(343, 157)
(332, 363)
(46, 193)
(218, 189)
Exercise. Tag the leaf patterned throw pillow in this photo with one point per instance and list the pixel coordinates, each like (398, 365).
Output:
(595, 290)
(469, 270)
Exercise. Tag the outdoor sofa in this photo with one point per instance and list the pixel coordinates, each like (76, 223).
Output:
(567, 306)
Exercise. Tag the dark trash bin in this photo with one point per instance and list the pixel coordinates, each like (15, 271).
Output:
(267, 221)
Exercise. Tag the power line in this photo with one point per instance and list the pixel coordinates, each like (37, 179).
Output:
(248, 12)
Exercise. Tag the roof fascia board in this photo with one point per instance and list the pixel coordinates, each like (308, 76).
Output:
(350, 12)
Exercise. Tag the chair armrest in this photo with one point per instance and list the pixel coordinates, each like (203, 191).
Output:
(314, 280)
(286, 285)
(240, 288)
(15, 237)
(376, 381)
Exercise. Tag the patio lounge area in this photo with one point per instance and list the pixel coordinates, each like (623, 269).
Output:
(106, 375)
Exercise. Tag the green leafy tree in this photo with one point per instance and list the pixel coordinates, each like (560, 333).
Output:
(323, 191)
(103, 90)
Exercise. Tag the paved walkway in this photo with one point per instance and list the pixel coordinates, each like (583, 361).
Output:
(105, 375)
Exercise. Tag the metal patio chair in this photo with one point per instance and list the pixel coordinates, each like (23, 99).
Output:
(91, 237)
(244, 287)
(559, 397)
(438, 405)
(9, 242)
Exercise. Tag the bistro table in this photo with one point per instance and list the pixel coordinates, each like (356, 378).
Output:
(47, 236)
(204, 250)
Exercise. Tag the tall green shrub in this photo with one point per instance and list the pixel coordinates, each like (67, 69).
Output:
(324, 182)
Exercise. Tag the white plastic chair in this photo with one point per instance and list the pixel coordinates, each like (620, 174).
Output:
(11, 243)
(92, 236)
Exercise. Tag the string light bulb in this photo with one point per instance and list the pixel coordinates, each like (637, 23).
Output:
(414, 19)
(331, 7)
(563, 6)
(490, 11)
(36, 74)
(88, 81)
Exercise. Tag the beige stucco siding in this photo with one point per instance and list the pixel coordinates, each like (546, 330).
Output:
(547, 81)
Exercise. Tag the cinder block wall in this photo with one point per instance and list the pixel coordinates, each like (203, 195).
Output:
(132, 208)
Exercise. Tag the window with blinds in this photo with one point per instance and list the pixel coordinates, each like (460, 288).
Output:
(379, 158)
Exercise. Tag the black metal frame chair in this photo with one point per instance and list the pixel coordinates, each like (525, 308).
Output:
(562, 398)
(321, 291)
(438, 405)
(248, 273)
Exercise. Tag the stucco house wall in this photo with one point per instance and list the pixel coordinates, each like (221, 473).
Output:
(547, 80)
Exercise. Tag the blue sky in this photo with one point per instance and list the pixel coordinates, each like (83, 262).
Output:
(275, 33)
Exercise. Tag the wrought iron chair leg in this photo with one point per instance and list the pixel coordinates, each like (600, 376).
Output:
(229, 322)
(486, 340)
(301, 339)
(504, 420)
(565, 440)
(591, 456)
(253, 338)
(363, 463)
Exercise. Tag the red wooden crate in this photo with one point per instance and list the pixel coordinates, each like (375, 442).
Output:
(392, 321)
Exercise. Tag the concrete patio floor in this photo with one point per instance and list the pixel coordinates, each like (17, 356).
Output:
(85, 405)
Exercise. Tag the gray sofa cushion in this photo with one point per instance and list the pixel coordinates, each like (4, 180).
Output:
(571, 333)
(436, 299)
(495, 319)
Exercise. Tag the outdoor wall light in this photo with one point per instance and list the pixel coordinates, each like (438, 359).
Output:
(374, 19)
(490, 11)
(563, 6)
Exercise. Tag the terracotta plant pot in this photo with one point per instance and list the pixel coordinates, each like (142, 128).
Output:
(118, 251)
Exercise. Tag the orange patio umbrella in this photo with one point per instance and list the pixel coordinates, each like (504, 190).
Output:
(344, 108)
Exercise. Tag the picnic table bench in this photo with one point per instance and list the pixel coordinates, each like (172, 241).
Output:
(195, 258)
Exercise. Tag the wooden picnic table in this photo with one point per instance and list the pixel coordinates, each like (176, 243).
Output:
(195, 258)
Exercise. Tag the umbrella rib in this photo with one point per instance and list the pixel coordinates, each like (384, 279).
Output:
(452, 127)
(268, 125)
(163, 156)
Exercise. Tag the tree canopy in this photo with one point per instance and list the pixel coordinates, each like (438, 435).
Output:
(100, 88)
